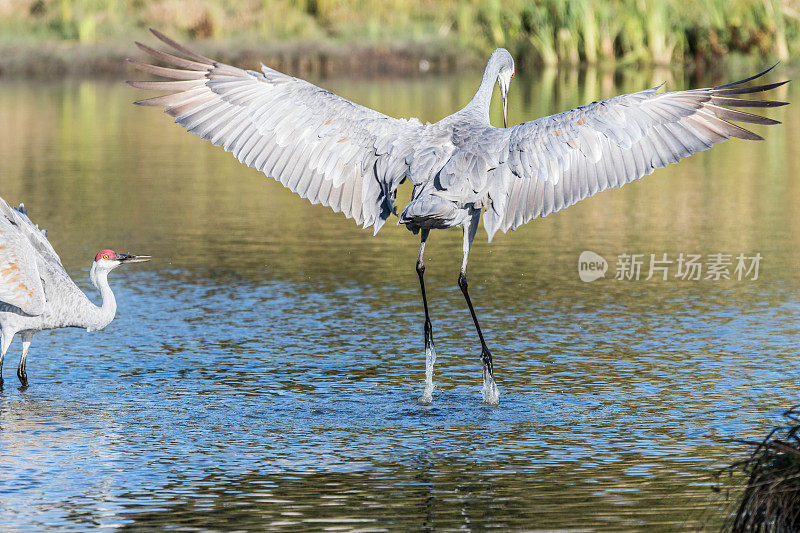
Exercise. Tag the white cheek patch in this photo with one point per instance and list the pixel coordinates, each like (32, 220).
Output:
(107, 264)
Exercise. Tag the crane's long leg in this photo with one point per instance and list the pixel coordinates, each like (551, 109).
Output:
(5, 342)
(26, 343)
(489, 390)
(430, 349)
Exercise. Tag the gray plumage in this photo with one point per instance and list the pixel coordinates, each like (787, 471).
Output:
(36, 293)
(352, 159)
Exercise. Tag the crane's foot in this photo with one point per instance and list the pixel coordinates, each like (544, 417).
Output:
(430, 359)
(23, 377)
(489, 391)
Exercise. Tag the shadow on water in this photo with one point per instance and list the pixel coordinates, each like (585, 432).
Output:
(264, 367)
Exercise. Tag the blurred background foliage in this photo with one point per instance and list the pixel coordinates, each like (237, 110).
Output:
(541, 31)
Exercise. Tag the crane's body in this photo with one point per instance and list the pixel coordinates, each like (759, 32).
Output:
(37, 294)
(352, 159)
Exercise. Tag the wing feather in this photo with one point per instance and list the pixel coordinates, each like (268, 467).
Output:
(315, 143)
(610, 143)
(25, 257)
(20, 283)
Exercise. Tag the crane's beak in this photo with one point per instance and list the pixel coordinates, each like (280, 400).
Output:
(505, 107)
(128, 258)
(504, 81)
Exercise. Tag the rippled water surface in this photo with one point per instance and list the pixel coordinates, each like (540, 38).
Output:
(263, 369)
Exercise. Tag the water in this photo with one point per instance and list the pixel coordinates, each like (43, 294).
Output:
(430, 360)
(264, 369)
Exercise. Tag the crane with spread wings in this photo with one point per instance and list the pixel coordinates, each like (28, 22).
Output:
(350, 158)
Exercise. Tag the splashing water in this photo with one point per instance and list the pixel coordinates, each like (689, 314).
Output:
(489, 390)
(430, 359)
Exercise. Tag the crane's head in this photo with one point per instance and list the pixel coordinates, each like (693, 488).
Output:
(505, 74)
(107, 260)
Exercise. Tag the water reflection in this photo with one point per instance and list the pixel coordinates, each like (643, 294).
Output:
(263, 369)
(425, 493)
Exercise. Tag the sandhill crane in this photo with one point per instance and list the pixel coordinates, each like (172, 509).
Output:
(36, 293)
(352, 159)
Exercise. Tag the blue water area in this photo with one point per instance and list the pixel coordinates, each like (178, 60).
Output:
(263, 370)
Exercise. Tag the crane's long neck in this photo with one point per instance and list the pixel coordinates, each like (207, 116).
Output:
(483, 97)
(99, 317)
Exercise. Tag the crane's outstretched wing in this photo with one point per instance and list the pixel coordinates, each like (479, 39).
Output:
(22, 246)
(37, 237)
(317, 144)
(551, 163)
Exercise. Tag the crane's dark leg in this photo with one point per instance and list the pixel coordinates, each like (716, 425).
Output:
(26, 343)
(430, 349)
(5, 342)
(489, 391)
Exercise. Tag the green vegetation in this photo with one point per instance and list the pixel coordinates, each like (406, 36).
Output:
(545, 31)
(770, 500)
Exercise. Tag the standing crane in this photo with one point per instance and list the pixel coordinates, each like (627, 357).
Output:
(352, 158)
(36, 293)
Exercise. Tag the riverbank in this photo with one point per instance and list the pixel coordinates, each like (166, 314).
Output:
(318, 59)
(309, 37)
(54, 60)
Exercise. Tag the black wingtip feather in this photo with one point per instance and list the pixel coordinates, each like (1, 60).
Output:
(751, 78)
(748, 90)
(744, 102)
